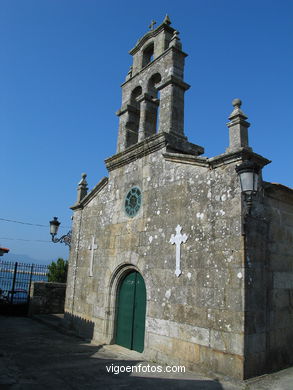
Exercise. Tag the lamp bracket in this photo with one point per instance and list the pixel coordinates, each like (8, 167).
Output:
(65, 239)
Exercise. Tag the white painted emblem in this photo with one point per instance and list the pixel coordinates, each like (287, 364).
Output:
(92, 247)
(178, 239)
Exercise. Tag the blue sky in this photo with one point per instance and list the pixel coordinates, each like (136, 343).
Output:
(62, 64)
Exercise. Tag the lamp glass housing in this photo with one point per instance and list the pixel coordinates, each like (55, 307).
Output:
(248, 182)
(248, 175)
(54, 226)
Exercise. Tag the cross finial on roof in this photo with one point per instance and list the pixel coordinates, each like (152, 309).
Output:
(151, 26)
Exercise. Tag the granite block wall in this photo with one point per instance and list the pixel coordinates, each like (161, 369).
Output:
(47, 298)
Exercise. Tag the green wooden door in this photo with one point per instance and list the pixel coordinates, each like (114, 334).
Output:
(130, 325)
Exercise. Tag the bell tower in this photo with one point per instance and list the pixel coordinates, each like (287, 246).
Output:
(153, 93)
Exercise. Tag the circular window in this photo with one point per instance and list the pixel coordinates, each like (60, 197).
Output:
(132, 201)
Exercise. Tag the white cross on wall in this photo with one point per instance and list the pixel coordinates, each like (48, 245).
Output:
(92, 247)
(178, 239)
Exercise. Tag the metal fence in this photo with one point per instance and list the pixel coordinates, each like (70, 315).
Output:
(16, 279)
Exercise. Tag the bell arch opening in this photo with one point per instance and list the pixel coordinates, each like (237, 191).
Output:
(132, 124)
(148, 54)
(153, 113)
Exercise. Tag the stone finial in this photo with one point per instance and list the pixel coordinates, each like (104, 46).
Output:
(83, 178)
(167, 20)
(238, 128)
(237, 103)
(175, 41)
(82, 188)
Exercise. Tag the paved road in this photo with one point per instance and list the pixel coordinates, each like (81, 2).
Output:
(34, 356)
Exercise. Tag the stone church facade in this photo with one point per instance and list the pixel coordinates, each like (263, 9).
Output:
(165, 259)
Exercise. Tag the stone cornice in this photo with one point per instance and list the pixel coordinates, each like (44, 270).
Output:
(237, 155)
(127, 108)
(238, 121)
(102, 183)
(174, 80)
(170, 141)
(186, 159)
(217, 161)
(148, 98)
(147, 146)
(142, 98)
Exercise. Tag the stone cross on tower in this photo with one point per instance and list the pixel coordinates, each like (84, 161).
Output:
(151, 26)
(92, 247)
(178, 239)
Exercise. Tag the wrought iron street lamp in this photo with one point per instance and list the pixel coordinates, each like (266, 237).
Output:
(54, 226)
(248, 173)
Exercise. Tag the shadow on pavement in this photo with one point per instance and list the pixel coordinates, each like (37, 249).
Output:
(33, 356)
(80, 326)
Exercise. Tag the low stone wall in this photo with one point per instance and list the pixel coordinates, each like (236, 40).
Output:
(47, 298)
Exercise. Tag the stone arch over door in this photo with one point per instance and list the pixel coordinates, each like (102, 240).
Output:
(115, 282)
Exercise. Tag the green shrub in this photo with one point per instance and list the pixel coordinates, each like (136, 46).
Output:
(58, 271)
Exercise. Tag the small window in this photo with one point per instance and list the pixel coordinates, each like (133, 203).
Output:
(148, 55)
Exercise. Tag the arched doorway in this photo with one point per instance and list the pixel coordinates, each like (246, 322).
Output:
(131, 309)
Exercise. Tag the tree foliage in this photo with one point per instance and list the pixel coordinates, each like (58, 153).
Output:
(58, 271)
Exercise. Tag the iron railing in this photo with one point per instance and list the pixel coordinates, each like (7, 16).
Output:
(16, 279)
